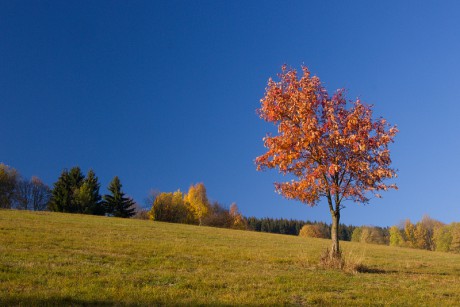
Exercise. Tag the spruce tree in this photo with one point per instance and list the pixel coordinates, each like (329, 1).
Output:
(76, 180)
(76, 194)
(62, 194)
(117, 204)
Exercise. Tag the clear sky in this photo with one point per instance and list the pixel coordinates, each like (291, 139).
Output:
(163, 93)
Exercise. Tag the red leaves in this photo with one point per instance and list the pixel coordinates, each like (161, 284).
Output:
(329, 148)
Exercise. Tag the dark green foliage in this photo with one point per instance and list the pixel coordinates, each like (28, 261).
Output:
(88, 197)
(282, 226)
(62, 194)
(345, 232)
(292, 227)
(76, 194)
(117, 204)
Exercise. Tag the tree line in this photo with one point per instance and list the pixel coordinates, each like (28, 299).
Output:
(73, 192)
(428, 234)
(194, 207)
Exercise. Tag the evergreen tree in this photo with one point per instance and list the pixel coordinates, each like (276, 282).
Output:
(88, 197)
(76, 194)
(62, 194)
(117, 204)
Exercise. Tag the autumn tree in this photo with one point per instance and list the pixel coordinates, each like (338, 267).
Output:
(169, 207)
(409, 233)
(238, 221)
(396, 237)
(8, 179)
(218, 216)
(374, 235)
(116, 203)
(315, 231)
(455, 243)
(442, 238)
(197, 200)
(330, 148)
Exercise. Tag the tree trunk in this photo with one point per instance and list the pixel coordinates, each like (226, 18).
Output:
(335, 251)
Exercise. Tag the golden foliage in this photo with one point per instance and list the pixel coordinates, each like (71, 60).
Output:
(197, 201)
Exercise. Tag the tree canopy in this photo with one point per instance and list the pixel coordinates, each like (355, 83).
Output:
(332, 149)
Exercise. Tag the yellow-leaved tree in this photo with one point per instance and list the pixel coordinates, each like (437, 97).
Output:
(197, 201)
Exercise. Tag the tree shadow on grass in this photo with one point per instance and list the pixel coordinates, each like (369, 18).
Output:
(63, 301)
(368, 270)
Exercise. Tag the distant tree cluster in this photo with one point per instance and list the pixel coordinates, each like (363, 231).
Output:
(17, 192)
(75, 193)
(428, 234)
(371, 234)
(296, 227)
(282, 226)
(194, 207)
(72, 193)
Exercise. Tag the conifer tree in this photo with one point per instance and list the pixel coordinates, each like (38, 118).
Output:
(117, 204)
(62, 194)
(76, 194)
(87, 196)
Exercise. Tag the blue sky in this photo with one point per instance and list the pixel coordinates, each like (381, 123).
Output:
(163, 93)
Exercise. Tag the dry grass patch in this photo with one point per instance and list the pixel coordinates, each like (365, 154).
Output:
(70, 259)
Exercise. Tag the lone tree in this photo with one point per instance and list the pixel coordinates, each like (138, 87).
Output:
(332, 151)
(117, 204)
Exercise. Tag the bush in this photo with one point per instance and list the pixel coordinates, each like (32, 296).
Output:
(315, 231)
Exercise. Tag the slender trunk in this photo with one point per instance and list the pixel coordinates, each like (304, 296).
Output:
(335, 251)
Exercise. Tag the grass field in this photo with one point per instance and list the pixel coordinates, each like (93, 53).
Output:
(51, 258)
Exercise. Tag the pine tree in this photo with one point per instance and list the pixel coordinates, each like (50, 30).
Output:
(117, 204)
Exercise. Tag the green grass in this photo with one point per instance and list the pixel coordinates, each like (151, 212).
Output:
(51, 258)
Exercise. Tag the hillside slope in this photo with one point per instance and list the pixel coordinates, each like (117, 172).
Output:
(53, 258)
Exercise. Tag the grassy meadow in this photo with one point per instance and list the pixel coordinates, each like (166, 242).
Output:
(69, 259)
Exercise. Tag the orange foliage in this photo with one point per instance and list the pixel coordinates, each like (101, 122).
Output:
(333, 151)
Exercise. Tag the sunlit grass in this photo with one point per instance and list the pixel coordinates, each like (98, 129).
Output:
(52, 258)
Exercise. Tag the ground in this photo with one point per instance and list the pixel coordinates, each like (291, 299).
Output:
(55, 258)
